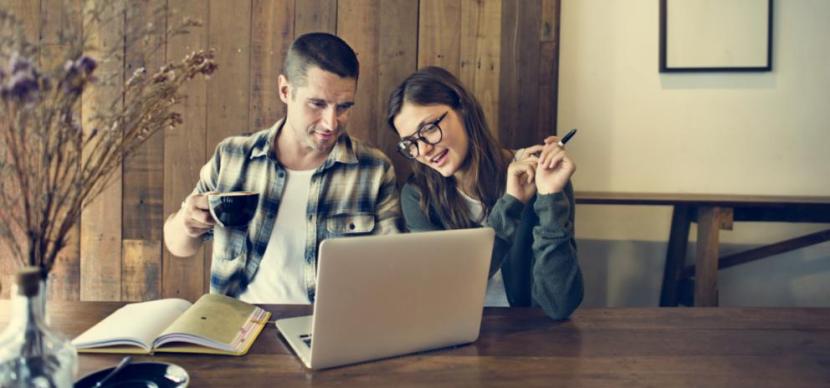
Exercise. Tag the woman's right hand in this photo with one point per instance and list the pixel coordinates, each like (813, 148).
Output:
(521, 173)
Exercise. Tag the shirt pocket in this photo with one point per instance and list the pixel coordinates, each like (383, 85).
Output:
(350, 224)
(229, 244)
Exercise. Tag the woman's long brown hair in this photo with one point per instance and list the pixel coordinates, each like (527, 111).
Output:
(486, 165)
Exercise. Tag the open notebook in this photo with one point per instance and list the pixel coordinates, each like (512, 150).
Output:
(215, 324)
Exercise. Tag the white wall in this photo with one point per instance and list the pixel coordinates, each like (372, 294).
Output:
(733, 133)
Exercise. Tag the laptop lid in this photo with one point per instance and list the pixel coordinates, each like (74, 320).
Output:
(381, 296)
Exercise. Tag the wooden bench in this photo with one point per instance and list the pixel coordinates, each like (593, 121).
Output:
(713, 212)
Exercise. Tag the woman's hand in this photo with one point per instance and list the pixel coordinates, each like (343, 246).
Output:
(521, 172)
(554, 167)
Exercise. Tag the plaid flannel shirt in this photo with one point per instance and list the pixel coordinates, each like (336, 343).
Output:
(352, 193)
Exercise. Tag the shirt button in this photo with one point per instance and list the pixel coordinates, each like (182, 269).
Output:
(281, 174)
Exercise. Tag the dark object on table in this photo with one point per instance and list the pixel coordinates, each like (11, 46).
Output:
(140, 374)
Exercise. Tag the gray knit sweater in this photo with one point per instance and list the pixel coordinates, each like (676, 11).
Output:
(534, 247)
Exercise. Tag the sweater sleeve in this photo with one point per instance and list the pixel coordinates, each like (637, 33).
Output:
(557, 279)
(505, 218)
(416, 220)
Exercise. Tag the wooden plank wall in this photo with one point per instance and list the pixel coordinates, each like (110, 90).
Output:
(506, 51)
(101, 238)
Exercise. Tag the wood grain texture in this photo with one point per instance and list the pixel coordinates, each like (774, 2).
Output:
(690, 347)
(358, 24)
(144, 170)
(229, 89)
(549, 26)
(726, 218)
(65, 278)
(227, 114)
(706, 256)
(383, 35)
(28, 13)
(59, 17)
(392, 37)
(185, 153)
(141, 270)
(519, 75)
(397, 53)
(315, 16)
(548, 91)
(548, 69)
(101, 221)
(272, 30)
(480, 71)
(439, 38)
(143, 193)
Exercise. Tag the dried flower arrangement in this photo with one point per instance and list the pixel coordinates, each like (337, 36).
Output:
(52, 162)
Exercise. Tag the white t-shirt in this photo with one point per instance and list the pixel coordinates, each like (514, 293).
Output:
(496, 296)
(281, 273)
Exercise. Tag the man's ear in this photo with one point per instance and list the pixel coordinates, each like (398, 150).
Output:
(283, 87)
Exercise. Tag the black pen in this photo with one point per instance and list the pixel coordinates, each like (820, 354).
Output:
(567, 137)
(561, 143)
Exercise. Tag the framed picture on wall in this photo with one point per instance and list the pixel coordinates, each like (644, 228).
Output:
(715, 35)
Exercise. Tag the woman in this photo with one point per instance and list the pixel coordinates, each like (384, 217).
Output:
(463, 178)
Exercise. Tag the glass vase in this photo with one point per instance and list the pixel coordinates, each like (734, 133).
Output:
(31, 353)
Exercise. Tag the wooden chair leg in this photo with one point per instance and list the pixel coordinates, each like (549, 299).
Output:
(706, 261)
(675, 255)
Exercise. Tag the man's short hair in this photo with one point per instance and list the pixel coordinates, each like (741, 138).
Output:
(326, 51)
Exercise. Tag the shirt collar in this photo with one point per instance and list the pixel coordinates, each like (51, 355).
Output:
(343, 151)
(263, 145)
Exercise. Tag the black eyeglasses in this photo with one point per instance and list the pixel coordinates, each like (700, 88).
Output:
(430, 133)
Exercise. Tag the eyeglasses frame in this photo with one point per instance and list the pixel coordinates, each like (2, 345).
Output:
(417, 138)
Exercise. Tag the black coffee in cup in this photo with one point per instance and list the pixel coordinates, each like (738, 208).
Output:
(232, 209)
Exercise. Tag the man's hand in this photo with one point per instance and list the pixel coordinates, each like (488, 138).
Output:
(183, 230)
(195, 214)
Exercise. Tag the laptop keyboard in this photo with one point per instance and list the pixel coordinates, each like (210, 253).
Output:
(306, 338)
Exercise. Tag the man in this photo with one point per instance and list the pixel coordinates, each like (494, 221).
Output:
(314, 181)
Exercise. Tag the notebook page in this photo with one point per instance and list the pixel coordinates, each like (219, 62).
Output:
(214, 320)
(135, 323)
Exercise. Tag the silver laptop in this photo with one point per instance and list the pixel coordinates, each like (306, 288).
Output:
(383, 296)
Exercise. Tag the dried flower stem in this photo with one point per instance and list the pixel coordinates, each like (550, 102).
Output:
(50, 165)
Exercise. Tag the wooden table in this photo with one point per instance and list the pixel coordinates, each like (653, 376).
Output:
(714, 212)
(726, 347)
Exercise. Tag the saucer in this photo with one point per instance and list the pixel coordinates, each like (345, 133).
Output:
(140, 374)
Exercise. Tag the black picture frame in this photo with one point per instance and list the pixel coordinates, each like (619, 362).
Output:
(749, 64)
